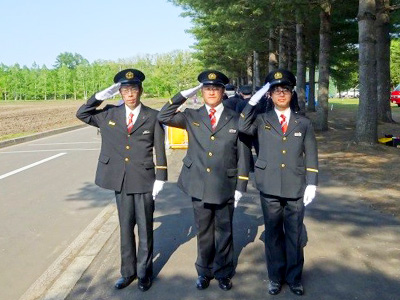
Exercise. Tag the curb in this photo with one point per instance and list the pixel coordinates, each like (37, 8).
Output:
(36, 136)
(58, 280)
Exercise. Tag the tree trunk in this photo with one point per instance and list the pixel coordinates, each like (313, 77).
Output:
(366, 123)
(273, 55)
(324, 52)
(256, 71)
(311, 83)
(382, 26)
(301, 64)
(249, 72)
(283, 59)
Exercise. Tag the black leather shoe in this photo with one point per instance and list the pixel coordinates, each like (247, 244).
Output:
(225, 283)
(144, 283)
(202, 282)
(297, 289)
(274, 288)
(123, 282)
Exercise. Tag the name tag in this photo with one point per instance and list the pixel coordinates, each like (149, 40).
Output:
(196, 124)
(297, 134)
(146, 132)
(232, 130)
(111, 123)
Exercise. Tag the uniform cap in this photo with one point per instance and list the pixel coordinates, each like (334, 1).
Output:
(129, 76)
(213, 77)
(246, 89)
(280, 77)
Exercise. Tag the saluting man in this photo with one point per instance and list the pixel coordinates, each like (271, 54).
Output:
(214, 173)
(129, 133)
(286, 174)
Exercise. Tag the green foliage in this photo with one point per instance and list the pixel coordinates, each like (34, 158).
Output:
(166, 74)
(395, 62)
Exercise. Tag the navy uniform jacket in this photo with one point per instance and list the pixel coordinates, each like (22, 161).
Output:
(217, 162)
(126, 156)
(287, 162)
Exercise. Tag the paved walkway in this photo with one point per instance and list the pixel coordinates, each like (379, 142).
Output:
(353, 251)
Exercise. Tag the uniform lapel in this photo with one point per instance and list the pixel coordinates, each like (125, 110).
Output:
(143, 116)
(204, 117)
(271, 118)
(293, 122)
(121, 118)
(224, 119)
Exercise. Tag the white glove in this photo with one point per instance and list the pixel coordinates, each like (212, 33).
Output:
(109, 92)
(257, 96)
(191, 92)
(309, 194)
(237, 197)
(157, 187)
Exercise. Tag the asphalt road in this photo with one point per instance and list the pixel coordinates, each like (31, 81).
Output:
(47, 198)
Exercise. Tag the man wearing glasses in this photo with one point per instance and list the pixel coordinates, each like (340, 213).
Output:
(214, 173)
(286, 173)
(129, 133)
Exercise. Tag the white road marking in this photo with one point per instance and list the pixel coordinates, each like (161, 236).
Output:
(48, 150)
(73, 143)
(31, 165)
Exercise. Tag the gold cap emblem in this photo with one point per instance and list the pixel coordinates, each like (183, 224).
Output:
(129, 75)
(212, 76)
(278, 75)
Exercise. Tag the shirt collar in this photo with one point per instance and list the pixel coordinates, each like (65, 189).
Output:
(219, 108)
(135, 112)
(286, 112)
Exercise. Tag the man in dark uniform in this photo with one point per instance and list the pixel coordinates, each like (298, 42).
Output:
(214, 173)
(129, 133)
(231, 97)
(245, 92)
(286, 174)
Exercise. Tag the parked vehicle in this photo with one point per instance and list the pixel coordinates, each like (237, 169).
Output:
(395, 95)
(351, 93)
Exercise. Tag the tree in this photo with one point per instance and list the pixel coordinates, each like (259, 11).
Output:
(366, 124)
(70, 60)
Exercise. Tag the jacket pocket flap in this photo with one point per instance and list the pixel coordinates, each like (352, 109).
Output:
(148, 164)
(104, 158)
(231, 172)
(187, 161)
(262, 164)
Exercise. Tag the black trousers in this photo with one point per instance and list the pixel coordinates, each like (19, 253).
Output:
(284, 237)
(136, 209)
(214, 239)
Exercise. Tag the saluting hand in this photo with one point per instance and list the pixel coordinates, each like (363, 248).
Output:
(109, 92)
(309, 194)
(257, 96)
(191, 92)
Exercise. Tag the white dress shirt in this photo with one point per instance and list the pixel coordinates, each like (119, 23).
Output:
(135, 112)
(218, 112)
(285, 112)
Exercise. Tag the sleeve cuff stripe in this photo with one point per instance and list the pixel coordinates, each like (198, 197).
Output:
(161, 167)
(312, 170)
(170, 101)
(243, 177)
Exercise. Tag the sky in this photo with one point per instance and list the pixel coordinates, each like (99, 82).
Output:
(38, 30)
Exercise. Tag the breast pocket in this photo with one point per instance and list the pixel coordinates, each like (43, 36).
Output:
(104, 159)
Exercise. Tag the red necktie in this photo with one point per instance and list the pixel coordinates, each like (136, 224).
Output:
(213, 119)
(283, 123)
(130, 123)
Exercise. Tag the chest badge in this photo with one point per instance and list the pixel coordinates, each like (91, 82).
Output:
(267, 127)
(297, 134)
(232, 130)
(111, 123)
(196, 124)
(146, 132)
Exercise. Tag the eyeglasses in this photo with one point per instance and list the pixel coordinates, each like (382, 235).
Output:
(211, 88)
(285, 91)
(127, 90)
